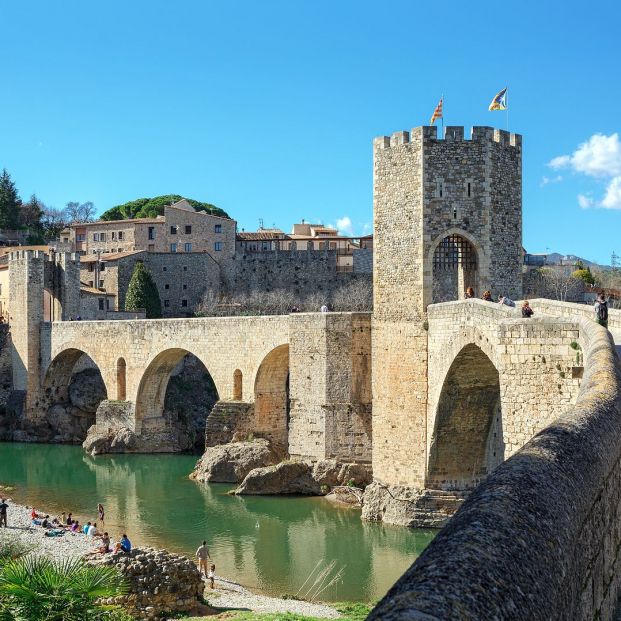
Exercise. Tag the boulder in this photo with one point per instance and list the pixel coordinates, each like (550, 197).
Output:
(230, 463)
(360, 474)
(110, 439)
(407, 506)
(326, 472)
(287, 477)
(334, 473)
(161, 584)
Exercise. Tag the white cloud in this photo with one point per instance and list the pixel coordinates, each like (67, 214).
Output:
(585, 201)
(612, 200)
(548, 180)
(345, 226)
(598, 157)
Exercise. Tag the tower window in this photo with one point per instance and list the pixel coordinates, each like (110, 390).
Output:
(440, 188)
(454, 213)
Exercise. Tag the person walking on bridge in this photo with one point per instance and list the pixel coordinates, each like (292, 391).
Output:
(601, 310)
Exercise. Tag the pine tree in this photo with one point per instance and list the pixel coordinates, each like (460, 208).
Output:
(10, 203)
(142, 293)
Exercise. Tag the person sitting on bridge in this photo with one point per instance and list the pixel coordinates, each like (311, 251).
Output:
(601, 310)
(469, 293)
(527, 311)
(487, 296)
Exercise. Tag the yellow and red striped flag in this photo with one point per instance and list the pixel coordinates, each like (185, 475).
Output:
(437, 113)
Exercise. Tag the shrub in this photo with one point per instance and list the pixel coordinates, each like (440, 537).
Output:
(142, 293)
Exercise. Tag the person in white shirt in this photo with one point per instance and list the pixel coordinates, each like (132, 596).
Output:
(92, 530)
(324, 308)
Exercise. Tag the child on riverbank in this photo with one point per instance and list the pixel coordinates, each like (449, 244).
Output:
(211, 575)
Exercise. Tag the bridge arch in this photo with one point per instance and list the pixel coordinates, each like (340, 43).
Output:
(73, 387)
(151, 393)
(271, 398)
(467, 438)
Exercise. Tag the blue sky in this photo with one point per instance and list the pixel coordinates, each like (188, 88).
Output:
(268, 109)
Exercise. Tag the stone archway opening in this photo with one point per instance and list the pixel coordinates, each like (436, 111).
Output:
(73, 389)
(467, 441)
(454, 269)
(175, 396)
(271, 399)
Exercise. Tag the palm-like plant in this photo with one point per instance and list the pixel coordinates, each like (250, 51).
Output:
(40, 589)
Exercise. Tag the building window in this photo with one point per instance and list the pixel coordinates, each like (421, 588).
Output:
(166, 303)
(166, 286)
(80, 237)
(107, 304)
(185, 268)
(151, 247)
(120, 235)
(90, 284)
(102, 267)
(101, 304)
(173, 247)
(173, 230)
(188, 229)
(101, 284)
(95, 236)
(164, 269)
(187, 247)
(102, 237)
(113, 235)
(440, 188)
(151, 232)
(217, 228)
(184, 302)
(217, 246)
(91, 267)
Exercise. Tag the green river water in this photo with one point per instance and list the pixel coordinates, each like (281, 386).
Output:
(268, 544)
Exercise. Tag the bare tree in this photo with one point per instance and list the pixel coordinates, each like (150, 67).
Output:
(80, 212)
(53, 221)
(560, 285)
(354, 296)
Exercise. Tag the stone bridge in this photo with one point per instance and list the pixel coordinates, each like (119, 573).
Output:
(304, 377)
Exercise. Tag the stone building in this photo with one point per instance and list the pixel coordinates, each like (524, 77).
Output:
(181, 229)
(181, 278)
(447, 215)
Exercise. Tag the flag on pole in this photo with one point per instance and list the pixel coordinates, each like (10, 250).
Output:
(437, 113)
(500, 101)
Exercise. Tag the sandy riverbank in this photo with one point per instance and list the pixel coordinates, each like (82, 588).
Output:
(227, 594)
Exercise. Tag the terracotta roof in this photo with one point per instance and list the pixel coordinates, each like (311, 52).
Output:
(92, 291)
(109, 256)
(262, 235)
(6, 249)
(158, 220)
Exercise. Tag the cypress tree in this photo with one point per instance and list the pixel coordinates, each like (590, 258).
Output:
(142, 293)
(10, 203)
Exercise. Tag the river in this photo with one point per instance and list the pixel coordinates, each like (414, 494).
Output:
(269, 544)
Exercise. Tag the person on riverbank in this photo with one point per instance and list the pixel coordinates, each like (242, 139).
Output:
(202, 554)
(86, 527)
(105, 544)
(124, 545)
(3, 513)
(92, 530)
(100, 512)
(211, 575)
(69, 519)
(75, 526)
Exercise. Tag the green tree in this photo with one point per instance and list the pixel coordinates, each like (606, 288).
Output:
(31, 216)
(584, 273)
(41, 589)
(10, 202)
(142, 293)
(153, 207)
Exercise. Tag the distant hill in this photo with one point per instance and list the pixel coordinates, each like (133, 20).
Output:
(153, 207)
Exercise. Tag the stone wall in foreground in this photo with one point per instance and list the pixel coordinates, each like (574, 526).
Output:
(540, 538)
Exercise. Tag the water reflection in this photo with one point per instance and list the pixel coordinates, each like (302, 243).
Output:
(266, 543)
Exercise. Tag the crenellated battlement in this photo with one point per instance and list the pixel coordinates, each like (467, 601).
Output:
(452, 133)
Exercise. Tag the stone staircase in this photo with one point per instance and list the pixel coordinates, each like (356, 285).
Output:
(227, 419)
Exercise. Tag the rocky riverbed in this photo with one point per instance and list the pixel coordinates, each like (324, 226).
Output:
(176, 585)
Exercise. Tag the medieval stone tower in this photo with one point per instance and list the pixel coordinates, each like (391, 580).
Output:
(447, 216)
(42, 288)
